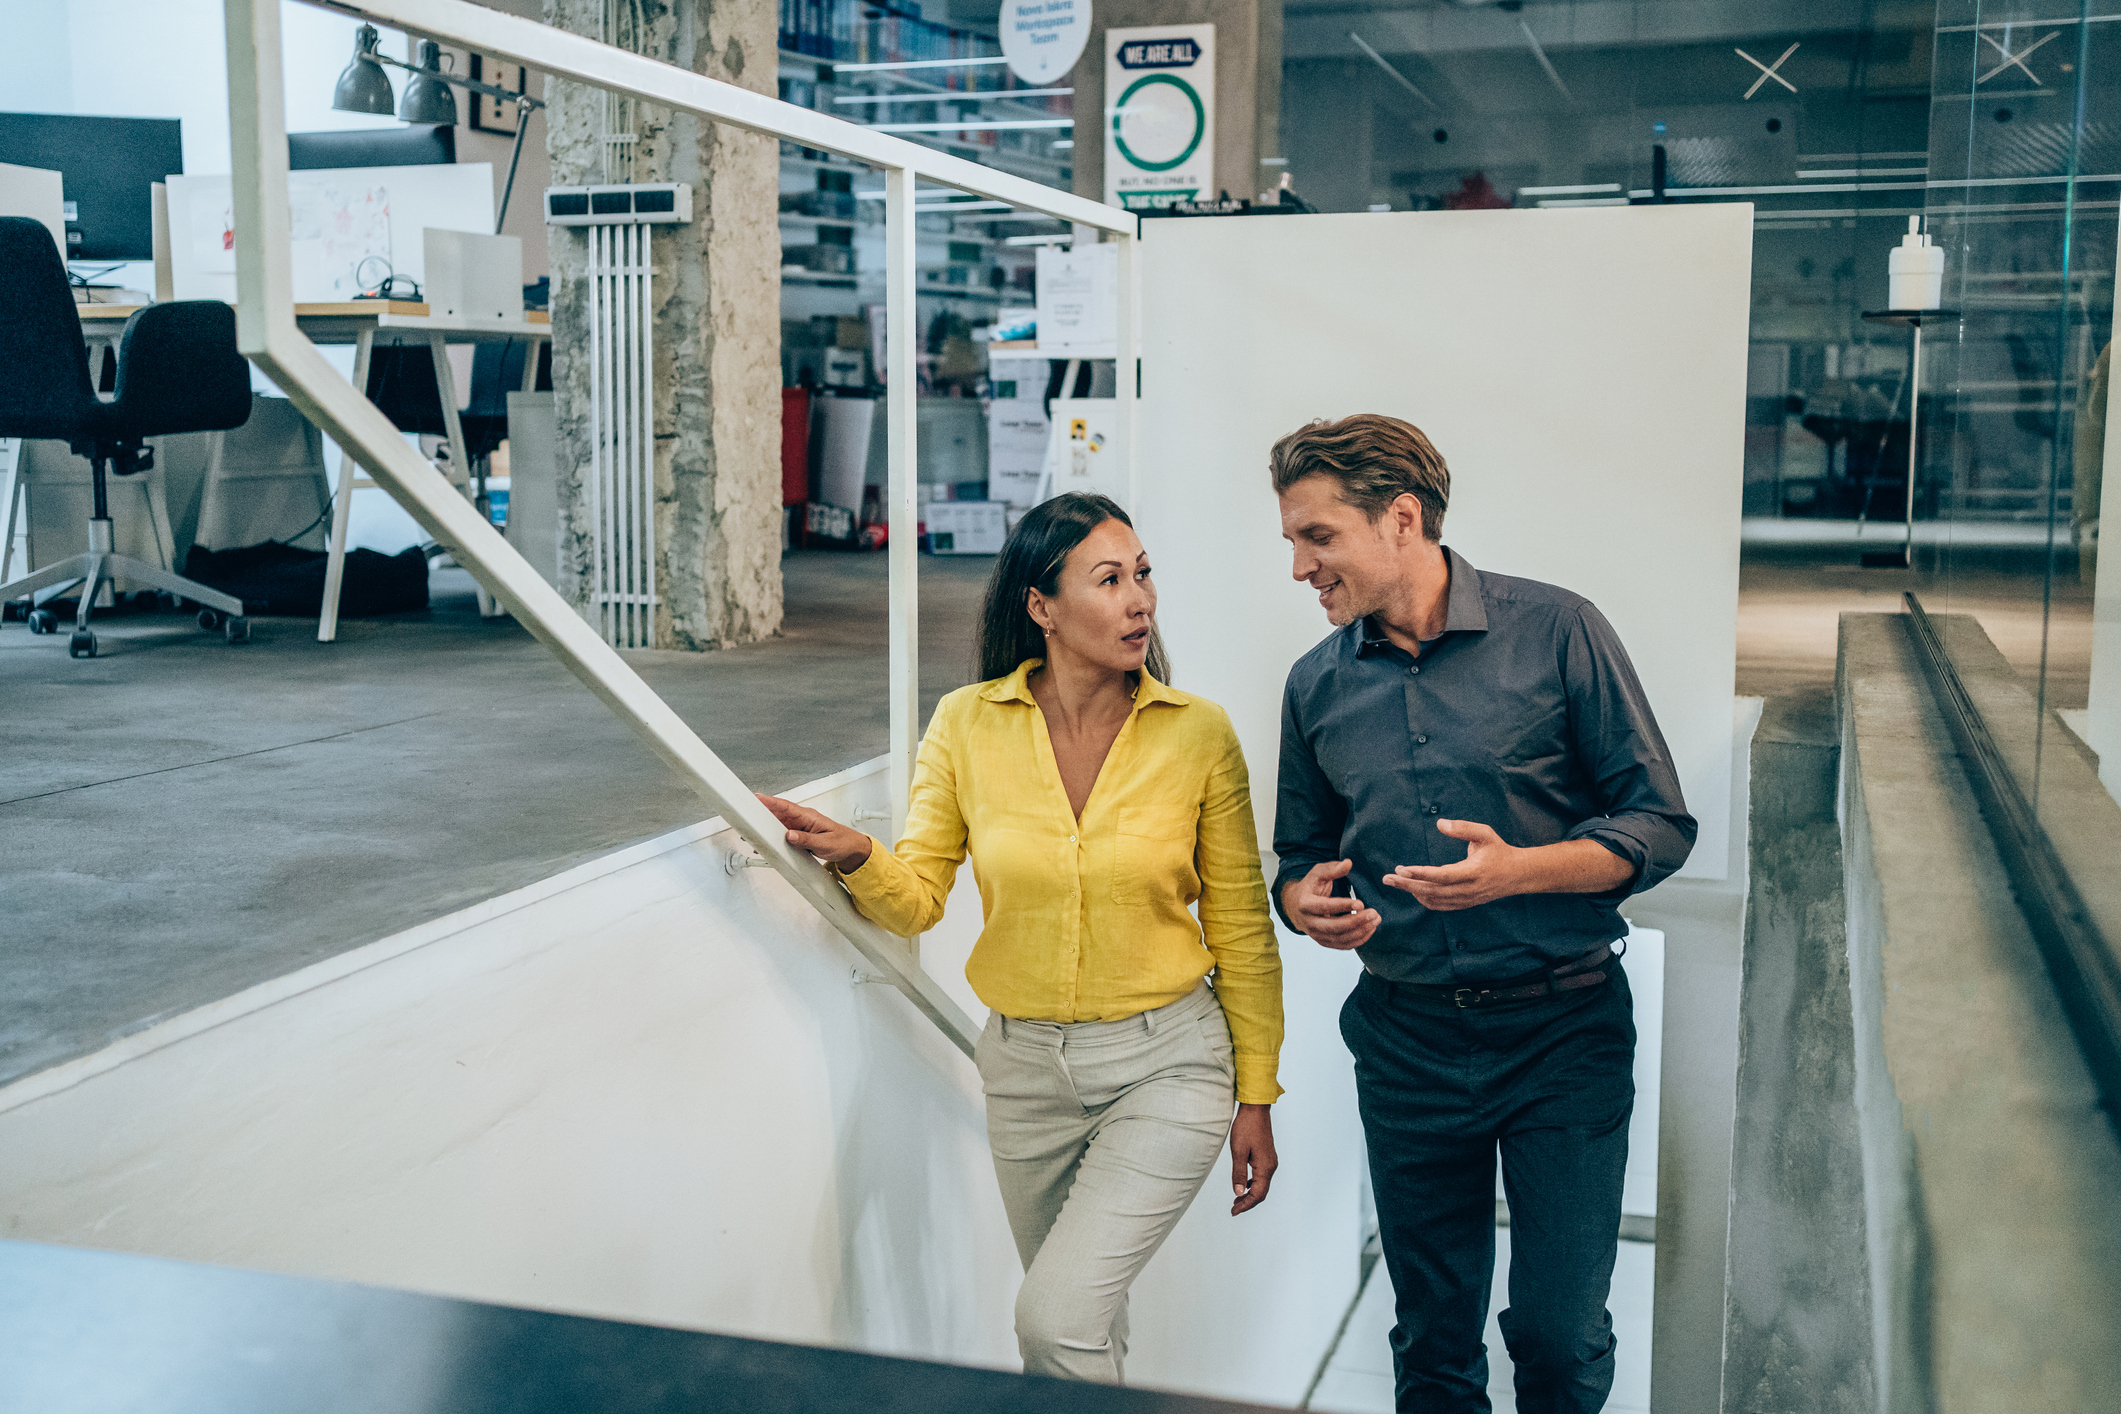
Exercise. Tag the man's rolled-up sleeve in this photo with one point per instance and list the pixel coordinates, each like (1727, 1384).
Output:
(1643, 817)
(1309, 815)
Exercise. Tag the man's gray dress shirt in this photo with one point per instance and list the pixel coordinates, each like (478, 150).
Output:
(1524, 714)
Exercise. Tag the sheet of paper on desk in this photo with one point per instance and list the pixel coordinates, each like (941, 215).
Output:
(337, 227)
(340, 217)
(204, 240)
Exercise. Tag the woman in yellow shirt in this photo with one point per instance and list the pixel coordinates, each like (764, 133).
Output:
(1098, 806)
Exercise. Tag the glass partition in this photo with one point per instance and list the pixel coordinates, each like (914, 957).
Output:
(2025, 132)
(1997, 129)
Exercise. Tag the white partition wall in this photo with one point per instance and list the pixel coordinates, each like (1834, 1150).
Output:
(1582, 372)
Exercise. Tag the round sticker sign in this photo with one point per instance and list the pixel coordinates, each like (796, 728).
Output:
(1042, 39)
(1158, 122)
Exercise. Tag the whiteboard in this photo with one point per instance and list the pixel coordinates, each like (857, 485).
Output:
(1581, 371)
(339, 217)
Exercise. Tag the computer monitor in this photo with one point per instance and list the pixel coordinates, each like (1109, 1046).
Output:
(420, 145)
(107, 166)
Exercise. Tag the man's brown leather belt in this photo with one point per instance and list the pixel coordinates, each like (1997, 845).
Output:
(1585, 971)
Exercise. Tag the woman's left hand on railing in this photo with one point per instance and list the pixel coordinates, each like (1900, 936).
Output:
(845, 849)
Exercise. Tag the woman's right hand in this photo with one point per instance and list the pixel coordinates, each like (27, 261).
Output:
(846, 850)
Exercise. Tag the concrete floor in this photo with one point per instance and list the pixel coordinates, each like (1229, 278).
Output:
(184, 819)
(1791, 598)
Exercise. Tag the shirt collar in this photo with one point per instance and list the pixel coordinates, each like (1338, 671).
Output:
(1464, 610)
(1017, 688)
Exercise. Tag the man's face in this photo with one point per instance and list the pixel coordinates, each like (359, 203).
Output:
(1349, 559)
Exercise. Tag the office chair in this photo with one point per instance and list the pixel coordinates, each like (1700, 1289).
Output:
(401, 383)
(496, 371)
(177, 371)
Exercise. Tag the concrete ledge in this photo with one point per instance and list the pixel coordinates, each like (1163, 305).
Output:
(1797, 1300)
(2057, 770)
(1989, 1174)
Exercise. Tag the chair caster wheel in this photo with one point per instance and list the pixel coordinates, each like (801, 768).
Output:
(43, 621)
(208, 619)
(81, 645)
(237, 629)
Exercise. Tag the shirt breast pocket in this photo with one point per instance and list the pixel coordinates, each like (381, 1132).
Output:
(1523, 730)
(1153, 856)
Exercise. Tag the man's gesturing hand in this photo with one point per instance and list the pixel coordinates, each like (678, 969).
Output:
(844, 849)
(1490, 870)
(1330, 922)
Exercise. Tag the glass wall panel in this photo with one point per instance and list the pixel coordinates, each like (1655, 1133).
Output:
(2025, 137)
(937, 80)
(1824, 128)
(1996, 127)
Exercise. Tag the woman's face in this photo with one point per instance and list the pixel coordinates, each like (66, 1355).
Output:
(1104, 606)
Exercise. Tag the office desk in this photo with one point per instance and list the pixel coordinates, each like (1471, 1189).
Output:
(364, 324)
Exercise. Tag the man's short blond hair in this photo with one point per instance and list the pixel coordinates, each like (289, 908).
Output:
(1375, 459)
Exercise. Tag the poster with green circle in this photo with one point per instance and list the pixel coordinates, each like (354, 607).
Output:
(1159, 115)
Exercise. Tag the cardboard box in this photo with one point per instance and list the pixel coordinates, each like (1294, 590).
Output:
(967, 527)
(1017, 436)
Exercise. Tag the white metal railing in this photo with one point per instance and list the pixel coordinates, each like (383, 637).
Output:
(266, 332)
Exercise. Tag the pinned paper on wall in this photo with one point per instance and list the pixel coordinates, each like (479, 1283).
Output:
(335, 228)
(1083, 451)
(212, 248)
(1078, 307)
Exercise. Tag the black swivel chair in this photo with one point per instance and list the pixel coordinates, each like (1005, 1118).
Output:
(178, 371)
(401, 382)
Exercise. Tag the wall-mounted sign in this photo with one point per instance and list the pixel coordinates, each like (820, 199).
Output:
(1042, 39)
(1078, 294)
(1159, 115)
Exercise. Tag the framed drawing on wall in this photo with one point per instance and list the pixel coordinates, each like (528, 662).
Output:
(496, 115)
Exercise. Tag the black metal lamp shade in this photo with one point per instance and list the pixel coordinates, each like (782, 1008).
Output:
(427, 96)
(364, 87)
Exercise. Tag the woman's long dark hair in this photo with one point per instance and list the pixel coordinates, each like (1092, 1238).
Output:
(1032, 559)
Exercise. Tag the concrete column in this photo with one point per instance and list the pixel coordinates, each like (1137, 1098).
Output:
(717, 321)
(1247, 87)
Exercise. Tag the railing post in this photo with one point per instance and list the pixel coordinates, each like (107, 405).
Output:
(902, 441)
(1125, 367)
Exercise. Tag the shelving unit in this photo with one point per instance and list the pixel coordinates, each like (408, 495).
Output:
(967, 268)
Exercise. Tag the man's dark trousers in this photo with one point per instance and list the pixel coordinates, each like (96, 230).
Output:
(1551, 1083)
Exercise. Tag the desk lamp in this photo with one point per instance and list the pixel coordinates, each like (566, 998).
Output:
(365, 88)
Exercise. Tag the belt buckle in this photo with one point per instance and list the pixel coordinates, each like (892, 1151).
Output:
(1461, 994)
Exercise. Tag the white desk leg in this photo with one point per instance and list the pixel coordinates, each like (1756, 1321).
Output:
(530, 366)
(459, 455)
(158, 516)
(14, 500)
(342, 506)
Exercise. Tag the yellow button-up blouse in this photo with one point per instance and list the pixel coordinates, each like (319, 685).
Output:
(1089, 920)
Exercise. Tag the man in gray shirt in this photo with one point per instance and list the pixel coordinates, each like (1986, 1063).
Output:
(1471, 782)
